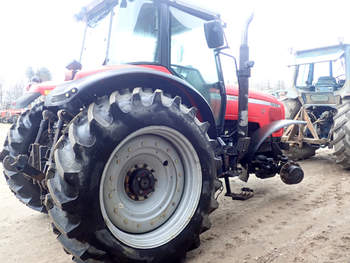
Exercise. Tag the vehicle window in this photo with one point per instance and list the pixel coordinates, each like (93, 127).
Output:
(339, 69)
(191, 58)
(321, 69)
(134, 36)
(302, 75)
(94, 50)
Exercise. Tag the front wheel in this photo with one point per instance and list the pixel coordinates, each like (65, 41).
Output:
(20, 136)
(135, 180)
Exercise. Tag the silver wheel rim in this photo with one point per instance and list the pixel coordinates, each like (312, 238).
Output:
(149, 221)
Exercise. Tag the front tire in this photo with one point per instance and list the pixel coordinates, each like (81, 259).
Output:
(21, 134)
(135, 180)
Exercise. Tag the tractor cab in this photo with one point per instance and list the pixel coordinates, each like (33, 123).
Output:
(319, 96)
(324, 71)
(166, 35)
(175, 38)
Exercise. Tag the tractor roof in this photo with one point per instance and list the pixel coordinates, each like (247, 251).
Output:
(320, 54)
(97, 9)
(194, 10)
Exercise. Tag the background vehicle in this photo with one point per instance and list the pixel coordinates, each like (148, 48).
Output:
(320, 97)
(128, 157)
(9, 115)
(2, 115)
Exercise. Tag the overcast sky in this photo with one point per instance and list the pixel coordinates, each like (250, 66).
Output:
(44, 33)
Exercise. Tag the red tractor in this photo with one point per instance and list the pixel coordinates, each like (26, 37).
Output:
(3, 115)
(9, 115)
(126, 158)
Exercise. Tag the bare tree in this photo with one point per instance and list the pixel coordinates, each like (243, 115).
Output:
(1, 95)
(42, 73)
(12, 93)
(30, 73)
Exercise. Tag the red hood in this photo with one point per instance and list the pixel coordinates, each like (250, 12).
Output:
(43, 87)
(231, 90)
(263, 108)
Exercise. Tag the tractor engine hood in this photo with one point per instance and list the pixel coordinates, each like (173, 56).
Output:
(262, 108)
(34, 91)
(254, 96)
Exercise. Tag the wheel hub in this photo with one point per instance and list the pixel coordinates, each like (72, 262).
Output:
(140, 183)
(150, 187)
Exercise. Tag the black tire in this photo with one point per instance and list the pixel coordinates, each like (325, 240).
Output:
(296, 153)
(73, 202)
(291, 107)
(341, 135)
(20, 136)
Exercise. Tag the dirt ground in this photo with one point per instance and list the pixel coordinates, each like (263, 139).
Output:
(309, 222)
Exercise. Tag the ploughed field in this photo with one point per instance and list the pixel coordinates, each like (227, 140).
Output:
(309, 222)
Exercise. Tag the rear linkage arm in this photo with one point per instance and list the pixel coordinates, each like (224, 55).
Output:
(230, 155)
(33, 166)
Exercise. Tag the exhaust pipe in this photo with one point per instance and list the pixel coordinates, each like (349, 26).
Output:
(243, 81)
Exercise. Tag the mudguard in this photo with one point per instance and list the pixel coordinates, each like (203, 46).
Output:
(78, 93)
(25, 100)
(260, 135)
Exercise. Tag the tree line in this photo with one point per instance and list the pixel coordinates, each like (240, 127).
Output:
(10, 92)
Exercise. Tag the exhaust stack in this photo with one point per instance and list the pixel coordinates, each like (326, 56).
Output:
(243, 81)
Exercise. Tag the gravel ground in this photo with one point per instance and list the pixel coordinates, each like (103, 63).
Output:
(308, 222)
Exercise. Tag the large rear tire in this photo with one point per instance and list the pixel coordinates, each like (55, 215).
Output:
(291, 107)
(21, 134)
(341, 135)
(135, 180)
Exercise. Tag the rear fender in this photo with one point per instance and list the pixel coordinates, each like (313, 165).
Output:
(260, 135)
(78, 93)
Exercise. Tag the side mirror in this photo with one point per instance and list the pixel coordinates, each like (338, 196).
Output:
(214, 34)
(74, 65)
(72, 68)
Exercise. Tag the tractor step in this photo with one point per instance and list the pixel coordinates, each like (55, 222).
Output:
(245, 194)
